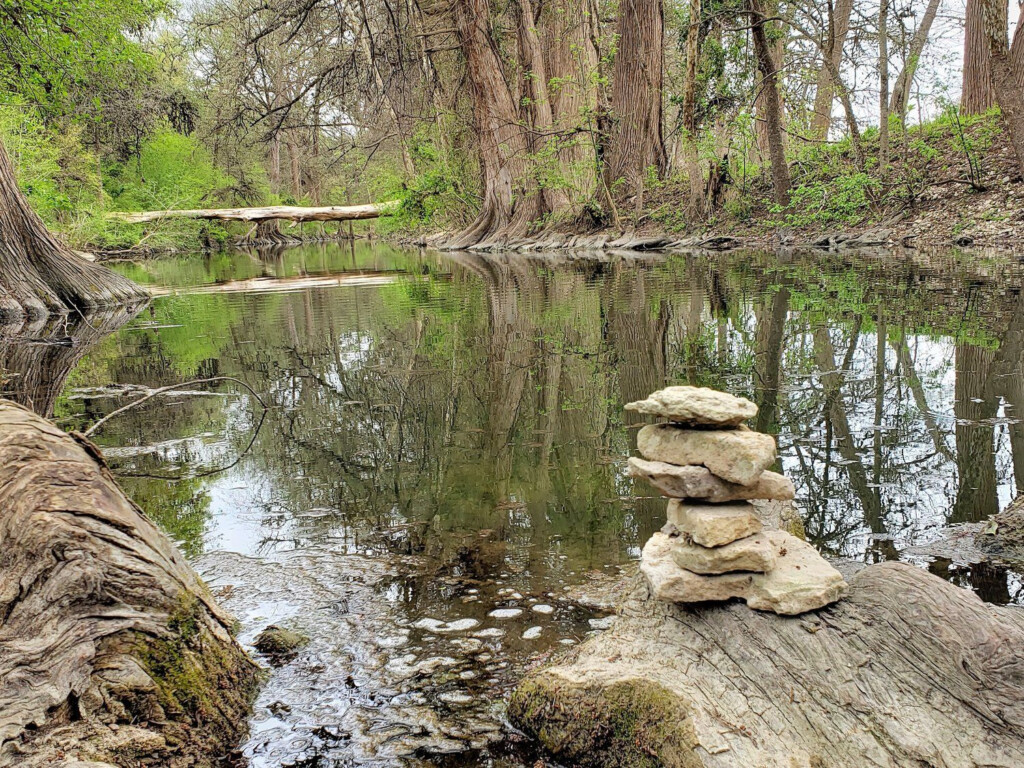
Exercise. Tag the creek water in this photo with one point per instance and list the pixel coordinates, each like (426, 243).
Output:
(435, 494)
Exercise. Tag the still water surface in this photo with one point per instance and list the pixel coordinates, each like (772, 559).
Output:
(436, 492)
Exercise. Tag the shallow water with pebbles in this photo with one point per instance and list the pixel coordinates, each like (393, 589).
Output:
(378, 682)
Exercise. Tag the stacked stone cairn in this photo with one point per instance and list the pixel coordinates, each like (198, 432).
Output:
(714, 546)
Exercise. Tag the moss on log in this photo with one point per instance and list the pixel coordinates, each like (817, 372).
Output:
(909, 670)
(112, 650)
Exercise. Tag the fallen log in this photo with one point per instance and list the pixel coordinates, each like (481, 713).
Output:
(112, 650)
(909, 670)
(286, 212)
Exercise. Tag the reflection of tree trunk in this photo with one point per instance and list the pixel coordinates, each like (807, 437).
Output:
(637, 333)
(1007, 377)
(835, 407)
(1013, 393)
(771, 329)
(34, 366)
(976, 497)
(906, 363)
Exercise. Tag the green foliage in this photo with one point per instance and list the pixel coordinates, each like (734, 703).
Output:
(73, 55)
(58, 176)
(844, 200)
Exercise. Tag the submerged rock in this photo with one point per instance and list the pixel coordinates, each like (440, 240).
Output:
(697, 406)
(697, 482)
(278, 644)
(714, 525)
(865, 682)
(736, 455)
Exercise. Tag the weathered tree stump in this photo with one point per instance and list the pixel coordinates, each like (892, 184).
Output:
(111, 648)
(907, 671)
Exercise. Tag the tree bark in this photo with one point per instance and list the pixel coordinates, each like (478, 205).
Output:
(572, 65)
(1005, 76)
(977, 95)
(689, 113)
(540, 108)
(883, 84)
(839, 27)
(908, 670)
(636, 146)
(39, 274)
(103, 621)
(901, 90)
(772, 102)
(510, 202)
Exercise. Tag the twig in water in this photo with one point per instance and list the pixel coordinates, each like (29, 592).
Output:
(89, 432)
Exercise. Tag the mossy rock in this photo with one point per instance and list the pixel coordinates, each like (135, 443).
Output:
(278, 644)
(629, 723)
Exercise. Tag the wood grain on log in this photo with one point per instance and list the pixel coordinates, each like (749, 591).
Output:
(286, 212)
(908, 671)
(110, 645)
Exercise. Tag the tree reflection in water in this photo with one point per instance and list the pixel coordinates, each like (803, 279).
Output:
(485, 393)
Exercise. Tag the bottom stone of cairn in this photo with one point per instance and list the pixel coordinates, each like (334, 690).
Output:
(800, 581)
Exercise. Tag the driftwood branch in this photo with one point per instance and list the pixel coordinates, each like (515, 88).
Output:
(286, 212)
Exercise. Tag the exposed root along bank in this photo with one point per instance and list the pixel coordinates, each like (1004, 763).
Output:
(111, 648)
(39, 275)
(907, 671)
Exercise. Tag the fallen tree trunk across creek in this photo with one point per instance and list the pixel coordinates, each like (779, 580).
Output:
(112, 650)
(909, 670)
(256, 215)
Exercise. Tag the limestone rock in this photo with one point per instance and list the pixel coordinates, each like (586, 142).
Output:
(695, 482)
(713, 525)
(672, 584)
(753, 553)
(736, 455)
(801, 581)
(696, 405)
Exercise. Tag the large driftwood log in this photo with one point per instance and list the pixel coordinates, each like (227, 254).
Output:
(286, 212)
(111, 648)
(908, 671)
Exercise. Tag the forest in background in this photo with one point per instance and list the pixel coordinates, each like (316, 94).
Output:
(498, 120)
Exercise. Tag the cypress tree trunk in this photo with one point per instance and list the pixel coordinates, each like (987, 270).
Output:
(509, 202)
(977, 95)
(771, 102)
(1005, 77)
(636, 143)
(40, 275)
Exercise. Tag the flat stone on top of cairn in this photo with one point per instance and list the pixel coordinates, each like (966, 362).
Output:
(735, 455)
(696, 482)
(696, 405)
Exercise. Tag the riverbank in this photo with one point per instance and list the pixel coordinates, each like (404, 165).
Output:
(952, 182)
